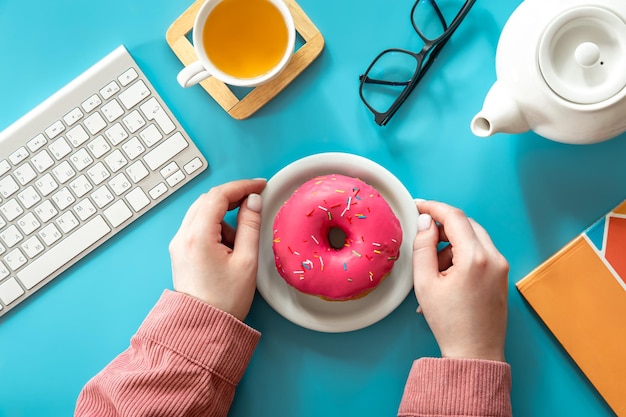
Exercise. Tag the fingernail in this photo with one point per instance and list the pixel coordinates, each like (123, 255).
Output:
(423, 222)
(418, 200)
(419, 310)
(255, 202)
(260, 179)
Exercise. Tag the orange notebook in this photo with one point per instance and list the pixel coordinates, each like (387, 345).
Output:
(580, 294)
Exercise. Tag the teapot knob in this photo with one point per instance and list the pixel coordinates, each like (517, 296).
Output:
(587, 54)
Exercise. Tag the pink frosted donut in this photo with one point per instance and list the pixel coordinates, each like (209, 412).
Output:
(336, 238)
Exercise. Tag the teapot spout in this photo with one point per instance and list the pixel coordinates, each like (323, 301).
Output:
(500, 114)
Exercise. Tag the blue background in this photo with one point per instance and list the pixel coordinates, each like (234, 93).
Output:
(531, 194)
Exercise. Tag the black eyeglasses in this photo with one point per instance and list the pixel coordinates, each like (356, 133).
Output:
(394, 73)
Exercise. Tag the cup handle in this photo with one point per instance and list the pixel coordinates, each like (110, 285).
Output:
(192, 74)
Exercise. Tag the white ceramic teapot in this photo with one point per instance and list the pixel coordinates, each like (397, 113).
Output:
(561, 72)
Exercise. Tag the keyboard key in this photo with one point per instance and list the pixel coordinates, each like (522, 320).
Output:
(134, 94)
(137, 199)
(60, 148)
(10, 290)
(134, 121)
(8, 186)
(25, 173)
(11, 210)
(98, 173)
(42, 161)
(175, 178)
(46, 184)
(85, 209)
(118, 213)
(133, 148)
(11, 236)
(63, 252)
(77, 136)
(153, 111)
(169, 169)
(4, 271)
(109, 90)
(115, 160)
(99, 146)
(73, 116)
(91, 103)
(18, 156)
(63, 172)
(151, 135)
(119, 184)
(4, 167)
(127, 77)
(137, 172)
(32, 247)
(102, 196)
(45, 211)
(192, 166)
(158, 190)
(50, 234)
(67, 222)
(95, 123)
(28, 224)
(116, 134)
(81, 186)
(112, 110)
(15, 259)
(37, 142)
(63, 198)
(165, 151)
(55, 129)
(29, 197)
(81, 159)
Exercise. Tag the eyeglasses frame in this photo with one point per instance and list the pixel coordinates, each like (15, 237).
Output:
(425, 54)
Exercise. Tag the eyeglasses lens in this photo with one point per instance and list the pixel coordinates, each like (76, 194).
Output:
(387, 78)
(431, 18)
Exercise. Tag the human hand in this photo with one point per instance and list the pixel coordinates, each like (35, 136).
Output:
(462, 290)
(211, 260)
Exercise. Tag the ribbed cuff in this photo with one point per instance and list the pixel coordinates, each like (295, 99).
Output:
(205, 335)
(457, 387)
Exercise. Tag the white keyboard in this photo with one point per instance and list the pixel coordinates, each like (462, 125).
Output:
(80, 167)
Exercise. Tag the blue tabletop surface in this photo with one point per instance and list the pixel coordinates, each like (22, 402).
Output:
(531, 194)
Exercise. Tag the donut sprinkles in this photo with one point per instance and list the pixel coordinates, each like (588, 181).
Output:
(336, 238)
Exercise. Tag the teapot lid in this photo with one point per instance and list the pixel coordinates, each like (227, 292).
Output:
(582, 55)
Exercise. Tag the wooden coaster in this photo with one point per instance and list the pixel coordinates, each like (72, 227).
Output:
(240, 109)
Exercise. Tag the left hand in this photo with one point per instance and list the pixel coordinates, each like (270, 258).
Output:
(212, 261)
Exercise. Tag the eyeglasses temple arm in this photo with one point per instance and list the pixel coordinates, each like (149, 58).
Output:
(368, 80)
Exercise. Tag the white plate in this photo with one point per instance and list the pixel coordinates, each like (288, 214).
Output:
(313, 312)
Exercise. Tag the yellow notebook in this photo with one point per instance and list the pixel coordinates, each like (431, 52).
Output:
(580, 294)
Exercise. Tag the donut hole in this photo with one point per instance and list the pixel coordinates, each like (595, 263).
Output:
(336, 238)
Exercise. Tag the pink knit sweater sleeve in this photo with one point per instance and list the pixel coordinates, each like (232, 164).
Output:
(185, 360)
(457, 387)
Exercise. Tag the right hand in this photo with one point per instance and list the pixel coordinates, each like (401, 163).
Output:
(461, 290)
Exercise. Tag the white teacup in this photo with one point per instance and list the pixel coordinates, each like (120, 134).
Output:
(240, 42)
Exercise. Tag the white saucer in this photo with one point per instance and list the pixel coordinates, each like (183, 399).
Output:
(312, 312)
